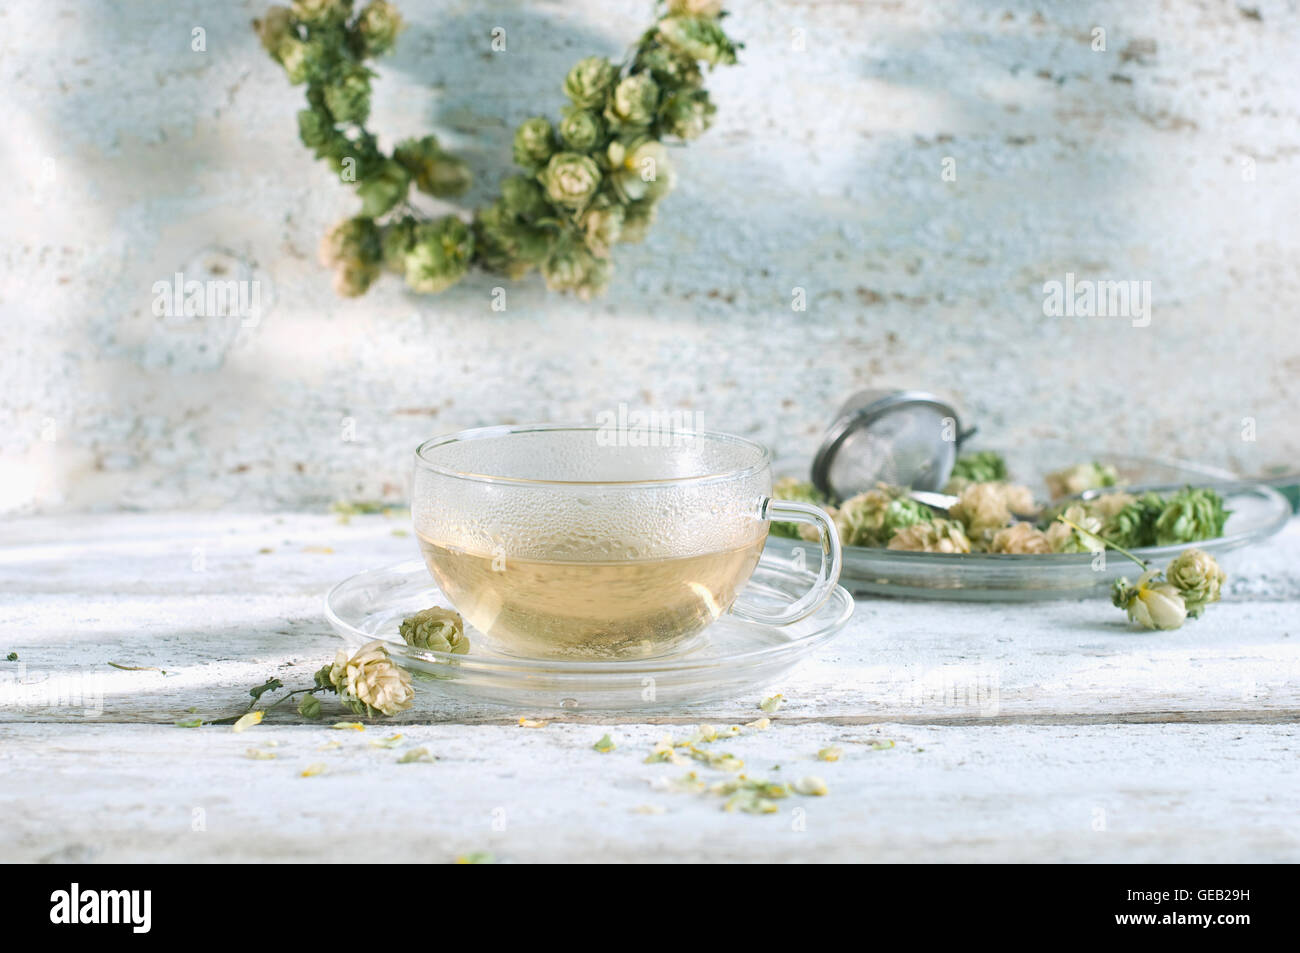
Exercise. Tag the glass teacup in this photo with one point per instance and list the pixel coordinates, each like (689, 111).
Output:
(565, 541)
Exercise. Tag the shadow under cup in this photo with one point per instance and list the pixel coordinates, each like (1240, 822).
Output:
(588, 542)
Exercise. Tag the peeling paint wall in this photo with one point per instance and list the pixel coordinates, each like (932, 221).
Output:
(1172, 156)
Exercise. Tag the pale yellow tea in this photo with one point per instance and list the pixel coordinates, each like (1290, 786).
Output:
(624, 609)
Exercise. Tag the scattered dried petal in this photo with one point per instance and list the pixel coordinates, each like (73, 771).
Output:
(312, 770)
(417, 756)
(811, 786)
(249, 720)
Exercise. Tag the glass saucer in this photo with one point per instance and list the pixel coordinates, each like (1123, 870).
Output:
(1258, 512)
(728, 658)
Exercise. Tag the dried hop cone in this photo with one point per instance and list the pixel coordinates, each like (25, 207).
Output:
(574, 268)
(688, 113)
(571, 179)
(1080, 477)
(1153, 603)
(322, 11)
(699, 38)
(1066, 539)
(589, 81)
(436, 628)
(436, 171)
(635, 100)
(860, 519)
(1191, 515)
(936, 536)
(523, 197)
(1020, 538)
(352, 238)
(696, 8)
(581, 129)
(534, 142)
(383, 186)
(379, 24)
(1198, 577)
(348, 99)
(370, 682)
(602, 227)
(439, 254)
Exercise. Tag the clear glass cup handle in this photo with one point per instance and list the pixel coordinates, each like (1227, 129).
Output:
(829, 575)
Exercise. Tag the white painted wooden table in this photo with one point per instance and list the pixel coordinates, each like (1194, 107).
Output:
(1021, 732)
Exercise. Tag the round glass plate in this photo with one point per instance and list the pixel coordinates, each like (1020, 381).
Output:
(1258, 512)
(729, 657)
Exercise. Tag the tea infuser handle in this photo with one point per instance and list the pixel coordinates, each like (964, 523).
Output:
(827, 578)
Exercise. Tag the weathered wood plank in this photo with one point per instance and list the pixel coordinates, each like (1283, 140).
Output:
(195, 596)
(1011, 793)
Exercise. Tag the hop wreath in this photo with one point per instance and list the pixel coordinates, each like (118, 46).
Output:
(590, 181)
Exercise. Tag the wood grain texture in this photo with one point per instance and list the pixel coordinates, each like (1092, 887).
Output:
(1041, 732)
(194, 596)
(1013, 793)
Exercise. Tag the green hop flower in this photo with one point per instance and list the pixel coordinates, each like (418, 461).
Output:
(581, 130)
(575, 268)
(441, 630)
(687, 114)
(523, 197)
(571, 179)
(439, 255)
(1080, 477)
(506, 246)
(315, 129)
(297, 58)
(274, 28)
(602, 227)
(637, 219)
(534, 143)
(1191, 515)
(378, 25)
(698, 38)
(348, 99)
(589, 81)
(902, 513)
(634, 101)
(931, 536)
(861, 519)
(353, 278)
(1064, 538)
(696, 8)
(1134, 525)
(1122, 593)
(398, 237)
(984, 466)
(436, 171)
(322, 11)
(1198, 577)
(383, 186)
(309, 707)
(349, 240)
(670, 68)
